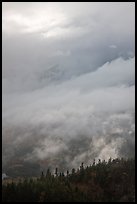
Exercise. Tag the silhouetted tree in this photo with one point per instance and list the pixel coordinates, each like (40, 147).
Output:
(56, 171)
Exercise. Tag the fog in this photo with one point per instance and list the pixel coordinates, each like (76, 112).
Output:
(68, 84)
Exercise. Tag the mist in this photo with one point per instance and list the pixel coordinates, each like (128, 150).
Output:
(68, 84)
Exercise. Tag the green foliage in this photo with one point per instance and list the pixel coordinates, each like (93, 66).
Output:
(112, 181)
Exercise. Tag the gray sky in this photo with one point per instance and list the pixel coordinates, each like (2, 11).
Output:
(68, 81)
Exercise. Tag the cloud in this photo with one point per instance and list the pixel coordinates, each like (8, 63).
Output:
(113, 46)
(68, 83)
(73, 112)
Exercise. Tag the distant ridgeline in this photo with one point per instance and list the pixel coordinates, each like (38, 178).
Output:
(111, 181)
(21, 168)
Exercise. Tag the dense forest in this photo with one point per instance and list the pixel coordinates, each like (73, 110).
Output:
(111, 181)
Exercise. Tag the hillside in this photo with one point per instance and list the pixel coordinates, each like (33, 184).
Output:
(112, 181)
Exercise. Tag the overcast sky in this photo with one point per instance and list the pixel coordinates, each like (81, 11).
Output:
(68, 81)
